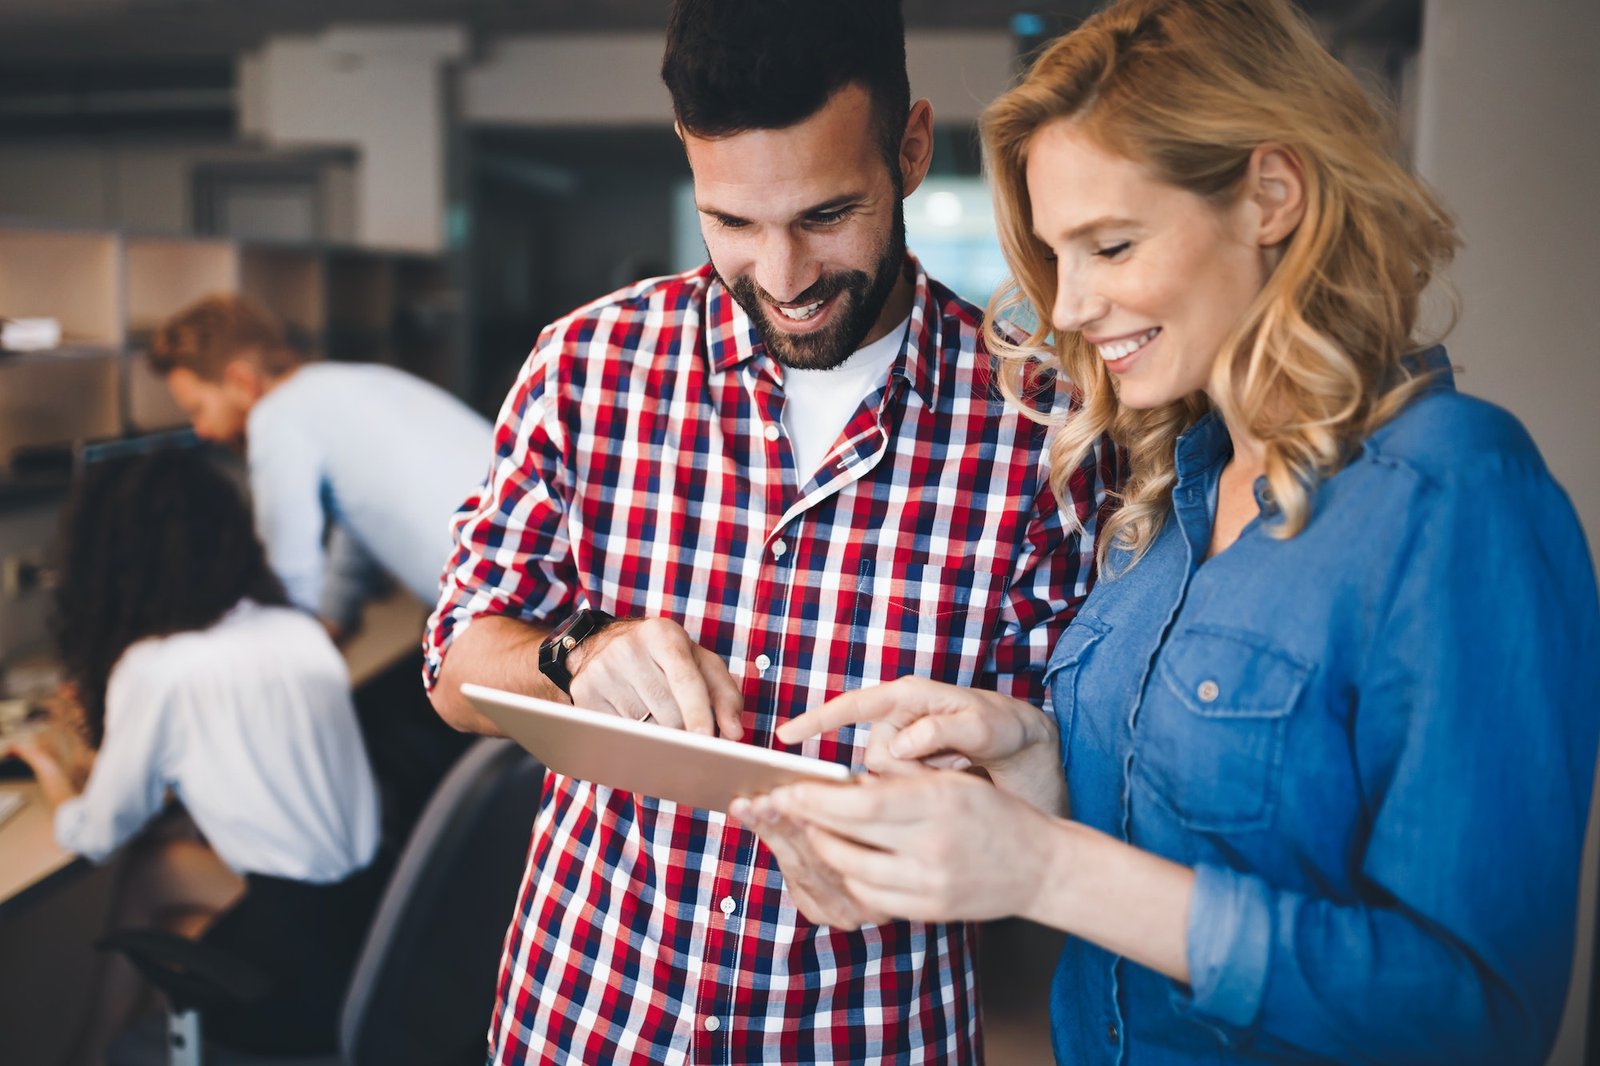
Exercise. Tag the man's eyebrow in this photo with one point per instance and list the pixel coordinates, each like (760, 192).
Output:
(1103, 222)
(837, 203)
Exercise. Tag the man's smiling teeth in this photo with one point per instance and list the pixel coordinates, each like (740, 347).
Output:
(800, 314)
(1122, 349)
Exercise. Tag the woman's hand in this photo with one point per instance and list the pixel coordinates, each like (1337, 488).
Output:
(58, 754)
(928, 845)
(919, 723)
(816, 888)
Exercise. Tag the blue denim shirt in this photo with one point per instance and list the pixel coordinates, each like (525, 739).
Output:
(1373, 742)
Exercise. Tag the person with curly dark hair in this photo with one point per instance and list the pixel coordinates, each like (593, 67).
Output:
(189, 675)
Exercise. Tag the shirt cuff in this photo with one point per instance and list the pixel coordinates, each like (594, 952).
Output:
(1230, 945)
(68, 825)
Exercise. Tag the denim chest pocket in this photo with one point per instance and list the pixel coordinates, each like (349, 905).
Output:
(1211, 731)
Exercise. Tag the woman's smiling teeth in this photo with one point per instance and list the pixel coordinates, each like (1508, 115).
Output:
(1124, 348)
(800, 314)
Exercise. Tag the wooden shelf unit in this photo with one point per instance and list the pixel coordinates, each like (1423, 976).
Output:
(110, 289)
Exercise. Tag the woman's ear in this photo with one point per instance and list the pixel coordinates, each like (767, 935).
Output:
(1278, 189)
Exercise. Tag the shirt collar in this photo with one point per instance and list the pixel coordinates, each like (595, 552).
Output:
(1201, 447)
(731, 337)
(1206, 444)
(1434, 361)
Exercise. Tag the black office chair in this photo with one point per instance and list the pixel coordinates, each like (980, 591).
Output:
(423, 987)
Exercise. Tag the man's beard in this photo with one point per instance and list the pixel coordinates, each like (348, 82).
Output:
(862, 295)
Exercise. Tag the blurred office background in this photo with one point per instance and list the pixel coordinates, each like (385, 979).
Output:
(429, 182)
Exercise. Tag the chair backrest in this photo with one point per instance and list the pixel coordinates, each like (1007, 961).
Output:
(424, 987)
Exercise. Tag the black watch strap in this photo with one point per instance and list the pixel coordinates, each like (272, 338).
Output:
(564, 640)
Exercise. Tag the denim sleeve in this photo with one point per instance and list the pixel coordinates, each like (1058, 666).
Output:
(1475, 726)
(286, 491)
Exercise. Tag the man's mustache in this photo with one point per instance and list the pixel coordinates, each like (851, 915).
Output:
(824, 288)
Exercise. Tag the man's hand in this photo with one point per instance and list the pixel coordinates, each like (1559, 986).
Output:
(650, 668)
(817, 889)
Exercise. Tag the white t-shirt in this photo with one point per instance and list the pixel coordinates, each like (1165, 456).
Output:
(250, 723)
(818, 403)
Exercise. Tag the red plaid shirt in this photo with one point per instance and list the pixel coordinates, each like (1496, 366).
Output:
(641, 467)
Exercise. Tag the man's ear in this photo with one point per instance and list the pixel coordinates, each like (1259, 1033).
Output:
(1277, 186)
(916, 147)
(243, 381)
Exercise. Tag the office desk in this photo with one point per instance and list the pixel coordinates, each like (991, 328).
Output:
(29, 857)
(30, 861)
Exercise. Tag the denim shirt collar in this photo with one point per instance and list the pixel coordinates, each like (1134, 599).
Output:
(1201, 450)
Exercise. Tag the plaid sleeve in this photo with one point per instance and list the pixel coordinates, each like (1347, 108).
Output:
(512, 555)
(1054, 572)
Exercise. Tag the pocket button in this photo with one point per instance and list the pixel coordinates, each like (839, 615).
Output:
(1208, 692)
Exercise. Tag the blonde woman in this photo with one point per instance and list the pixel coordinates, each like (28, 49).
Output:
(1328, 722)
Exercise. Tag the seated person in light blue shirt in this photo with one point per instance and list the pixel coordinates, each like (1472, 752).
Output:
(351, 464)
(1315, 784)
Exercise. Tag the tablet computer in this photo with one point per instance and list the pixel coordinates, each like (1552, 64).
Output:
(644, 757)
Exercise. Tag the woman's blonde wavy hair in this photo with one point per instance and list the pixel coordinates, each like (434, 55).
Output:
(1189, 89)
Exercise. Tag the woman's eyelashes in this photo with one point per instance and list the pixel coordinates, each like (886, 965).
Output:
(1113, 251)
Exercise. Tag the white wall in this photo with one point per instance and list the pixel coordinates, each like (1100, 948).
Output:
(1508, 105)
(378, 90)
(615, 79)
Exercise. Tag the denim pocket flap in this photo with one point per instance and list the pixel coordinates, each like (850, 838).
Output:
(1084, 633)
(1222, 673)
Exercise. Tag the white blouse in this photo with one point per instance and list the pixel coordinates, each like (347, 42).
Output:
(250, 723)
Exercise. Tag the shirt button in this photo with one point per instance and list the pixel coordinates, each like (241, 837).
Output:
(713, 1024)
(763, 663)
(771, 433)
(1111, 1032)
(778, 548)
(727, 905)
(1208, 692)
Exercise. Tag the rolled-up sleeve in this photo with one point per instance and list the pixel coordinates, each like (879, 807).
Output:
(512, 555)
(1475, 725)
(1230, 944)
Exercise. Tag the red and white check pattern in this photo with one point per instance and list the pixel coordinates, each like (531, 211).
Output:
(641, 468)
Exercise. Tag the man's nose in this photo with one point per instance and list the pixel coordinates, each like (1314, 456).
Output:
(786, 268)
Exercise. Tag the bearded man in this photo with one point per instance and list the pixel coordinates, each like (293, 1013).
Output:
(721, 498)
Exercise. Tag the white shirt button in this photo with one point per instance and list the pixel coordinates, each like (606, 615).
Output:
(1208, 692)
(771, 433)
(713, 1024)
(727, 905)
(778, 549)
(762, 663)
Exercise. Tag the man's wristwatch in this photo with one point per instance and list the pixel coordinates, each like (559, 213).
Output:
(564, 640)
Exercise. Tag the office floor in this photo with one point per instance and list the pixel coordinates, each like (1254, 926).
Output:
(1015, 960)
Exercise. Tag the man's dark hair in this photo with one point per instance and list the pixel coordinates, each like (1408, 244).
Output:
(153, 545)
(738, 65)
